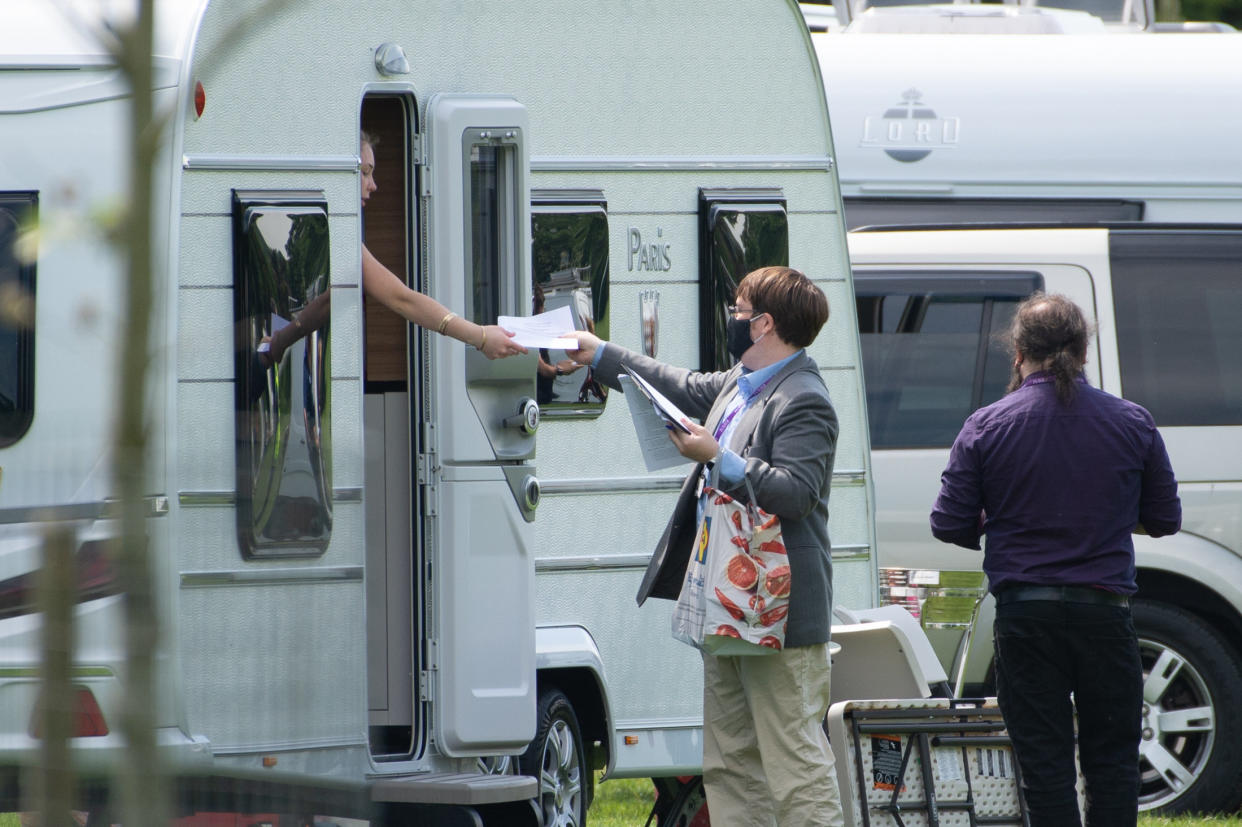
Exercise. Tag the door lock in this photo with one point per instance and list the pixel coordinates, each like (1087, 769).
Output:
(526, 419)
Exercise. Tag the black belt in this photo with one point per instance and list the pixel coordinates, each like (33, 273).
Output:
(1065, 594)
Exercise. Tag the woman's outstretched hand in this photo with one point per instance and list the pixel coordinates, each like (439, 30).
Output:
(498, 343)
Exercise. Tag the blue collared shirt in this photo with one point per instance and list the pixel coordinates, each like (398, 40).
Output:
(732, 465)
(1057, 488)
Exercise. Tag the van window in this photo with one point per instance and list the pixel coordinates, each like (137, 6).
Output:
(281, 314)
(1179, 323)
(569, 266)
(931, 350)
(740, 230)
(17, 287)
(865, 212)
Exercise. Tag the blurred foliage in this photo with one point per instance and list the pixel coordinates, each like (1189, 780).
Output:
(1227, 11)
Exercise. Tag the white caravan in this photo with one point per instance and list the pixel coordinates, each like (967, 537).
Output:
(375, 595)
(1128, 130)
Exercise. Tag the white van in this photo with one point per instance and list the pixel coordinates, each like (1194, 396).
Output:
(375, 595)
(1168, 315)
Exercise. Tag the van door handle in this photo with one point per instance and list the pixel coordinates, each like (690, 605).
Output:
(526, 419)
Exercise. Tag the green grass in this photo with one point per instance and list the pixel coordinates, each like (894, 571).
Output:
(626, 803)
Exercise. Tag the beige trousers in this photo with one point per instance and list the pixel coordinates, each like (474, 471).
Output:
(766, 759)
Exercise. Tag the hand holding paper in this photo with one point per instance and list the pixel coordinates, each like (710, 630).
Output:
(543, 330)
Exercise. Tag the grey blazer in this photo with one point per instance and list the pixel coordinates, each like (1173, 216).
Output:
(788, 437)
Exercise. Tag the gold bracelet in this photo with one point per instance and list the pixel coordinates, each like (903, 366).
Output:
(482, 343)
(448, 317)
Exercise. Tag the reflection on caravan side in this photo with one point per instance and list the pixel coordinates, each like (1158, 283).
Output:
(281, 314)
(569, 265)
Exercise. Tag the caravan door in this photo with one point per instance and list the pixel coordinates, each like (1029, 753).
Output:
(482, 627)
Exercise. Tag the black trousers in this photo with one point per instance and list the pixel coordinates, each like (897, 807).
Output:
(1046, 652)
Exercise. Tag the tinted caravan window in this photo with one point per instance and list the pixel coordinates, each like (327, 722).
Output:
(931, 353)
(569, 267)
(17, 287)
(1178, 302)
(281, 314)
(741, 230)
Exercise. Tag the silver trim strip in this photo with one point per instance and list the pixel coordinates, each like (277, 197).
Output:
(271, 577)
(663, 482)
(271, 163)
(614, 562)
(683, 163)
(156, 506)
(200, 499)
(286, 746)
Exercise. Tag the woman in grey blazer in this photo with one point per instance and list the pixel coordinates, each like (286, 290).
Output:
(767, 421)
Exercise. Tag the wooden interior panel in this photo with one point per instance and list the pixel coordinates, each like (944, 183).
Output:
(386, 222)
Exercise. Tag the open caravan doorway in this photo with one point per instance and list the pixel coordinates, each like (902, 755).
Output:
(392, 382)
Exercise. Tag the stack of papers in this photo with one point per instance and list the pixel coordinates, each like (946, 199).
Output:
(543, 331)
(653, 414)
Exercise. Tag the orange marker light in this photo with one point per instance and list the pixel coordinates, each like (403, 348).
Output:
(200, 99)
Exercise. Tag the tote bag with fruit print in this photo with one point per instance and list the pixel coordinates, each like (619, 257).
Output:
(735, 594)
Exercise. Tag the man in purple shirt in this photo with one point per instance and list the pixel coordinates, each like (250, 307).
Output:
(1058, 475)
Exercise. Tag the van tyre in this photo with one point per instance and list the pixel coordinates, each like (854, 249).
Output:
(1185, 763)
(557, 759)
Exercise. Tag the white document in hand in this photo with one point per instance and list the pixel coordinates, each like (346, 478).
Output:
(663, 406)
(543, 330)
(659, 452)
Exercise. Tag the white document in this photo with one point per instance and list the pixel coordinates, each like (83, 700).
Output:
(670, 413)
(659, 452)
(543, 330)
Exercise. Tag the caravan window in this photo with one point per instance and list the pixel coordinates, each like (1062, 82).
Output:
(1179, 323)
(17, 286)
(741, 230)
(492, 223)
(931, 353)
(569, 266)
(281, 314)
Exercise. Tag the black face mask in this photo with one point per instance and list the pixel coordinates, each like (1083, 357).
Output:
(737, 335)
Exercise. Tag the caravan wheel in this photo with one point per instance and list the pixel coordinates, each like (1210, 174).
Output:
(558, 759)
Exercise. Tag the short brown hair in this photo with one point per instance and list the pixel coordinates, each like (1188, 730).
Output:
(798, 308)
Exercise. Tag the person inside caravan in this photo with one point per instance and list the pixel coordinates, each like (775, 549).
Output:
(383, 284)
(769, 421)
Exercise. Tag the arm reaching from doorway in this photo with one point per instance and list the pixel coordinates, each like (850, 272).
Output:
(383, 285)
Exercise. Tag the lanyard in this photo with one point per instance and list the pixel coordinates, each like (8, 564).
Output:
(723, 425)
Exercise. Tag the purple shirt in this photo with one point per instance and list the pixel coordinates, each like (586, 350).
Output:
(1057, 489)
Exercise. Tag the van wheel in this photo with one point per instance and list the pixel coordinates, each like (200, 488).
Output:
(1190, 755)
(557, 758)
